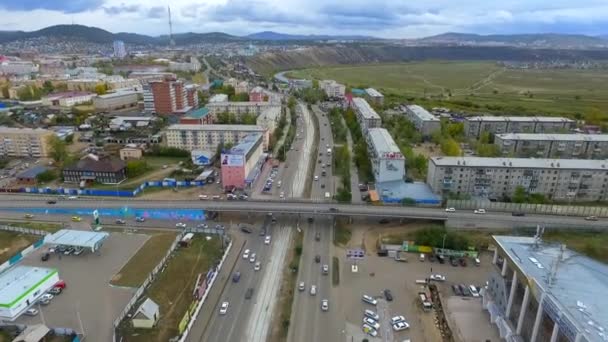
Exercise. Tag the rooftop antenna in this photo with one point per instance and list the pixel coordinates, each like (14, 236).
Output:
(171, 41)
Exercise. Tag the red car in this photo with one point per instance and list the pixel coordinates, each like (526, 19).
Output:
(60, 284)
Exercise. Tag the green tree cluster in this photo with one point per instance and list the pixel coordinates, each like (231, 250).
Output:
(136, 168)
(164, 151)
(522, 196)
(46, 176)
(240, 97)
(436, 236)
(58, 150)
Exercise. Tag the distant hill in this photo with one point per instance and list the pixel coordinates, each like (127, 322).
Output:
(531, 40)
(276, 36)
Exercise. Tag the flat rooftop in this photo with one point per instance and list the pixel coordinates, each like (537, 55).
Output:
(246, 144)
(421, 113)
(118, 94)
(528, 163)
(79, 238)
(248, 128)
(17, 281)
(383, 141)
(554, 137)
(365, 109)
(519, 118)
(578, 289)
(373, 92)
(218, 98)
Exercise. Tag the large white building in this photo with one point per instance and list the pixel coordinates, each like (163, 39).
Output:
(475, 126)
(332, 88)
(563, 146)
(18, 67)
(22, 286)
(209, 137)
(117, 100)
(67, 99)
(366, 115)
(425, 122)
(119, 49)
(193, 65)
(387, 161)
(374, 96)
(497, 178)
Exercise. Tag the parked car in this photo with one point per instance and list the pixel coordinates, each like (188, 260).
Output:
(456, 290)
(78, 250)
(76, 219)
(55, 291)
(51, 202)
(397, 319)
(372, 315)
(249, 293)
(369, 330)
(45, 257)
(383, 221)
(224, 308)
(324, 304)
(69, 251)
(369, 300)
(463, 262)
(591, 218)
(180, 225)
(518, 213)
(479, 211)
(388, 295)
(31, 312)
(464, 290)
(402, 325)
(139, 219)
(61, 284)
(372, 323)
(437, 277)
(120, 221)
(450, 210)
(28, 216)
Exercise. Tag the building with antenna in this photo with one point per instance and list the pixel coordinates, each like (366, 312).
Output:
(540, 292)
(171, 40)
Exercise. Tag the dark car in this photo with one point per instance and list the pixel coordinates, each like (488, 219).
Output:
(55, 291)
(518, 213)
(318, 236)
(236, 277)
(388, 295)
(317, 258)
(263, 232)
(441, 259)
(432, 258)
(310, 220)
(456, 290)
(463, 262)
(249, 293)
(51, 202)
(383, 221)
(246, 229)
(333, 210)
(120, 221)
(464, 290)
(453, 261)
(45, 257)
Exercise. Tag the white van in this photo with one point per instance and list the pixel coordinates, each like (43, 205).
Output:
(421, 258)
(327, 195)
(369, 300)
(73, 197)
(477, 262)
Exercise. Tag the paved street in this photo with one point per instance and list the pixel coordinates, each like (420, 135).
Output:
(325, 183)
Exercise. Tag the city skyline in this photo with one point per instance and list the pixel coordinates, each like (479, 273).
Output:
(386, 19)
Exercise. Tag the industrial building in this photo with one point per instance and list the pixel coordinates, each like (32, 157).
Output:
(366, 115)
(425, 122)
(116, 101)
(209, 137)
(241, 165)
(332, 88)
(387, 161)
(21, 286)
(474, 126)
(561, 146)
(497, 178)
(539, 291)
(374, 96)
(24, 142)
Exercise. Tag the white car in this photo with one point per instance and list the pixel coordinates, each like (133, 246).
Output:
(372, 323)
(302, 286)
(224, 308)
(437, 277)
(47, 296)
(282, 195)
(313, 290)
(252, 258)
(31, 312)
(203, 197)
(246, 254)
(397, 319)
(267, 240)
(316, 178)
(479, 211)
(324, 304)
(372, 315)
(450, 210)
(473, 291)
(401, 325)
(369, 300)
(180, 225)
(257, 266)
(369, 330)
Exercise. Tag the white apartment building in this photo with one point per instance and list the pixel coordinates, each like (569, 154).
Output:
(148, 98)
(119, 49)
(67, 99)
(218, 98)
(497, 178)
(118, 82)
(238, 108)
(475, 126)
(425, 122)
(208, 137)
(193, 65)
(18, 68)
(269, 118)
(366, 115)
(374, 96)
(114, 101)
(332, 89)
(242, 87)
(562, 146)
(387, 161)
(24, 142)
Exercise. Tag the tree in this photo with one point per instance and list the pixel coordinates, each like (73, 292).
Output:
(519, 196)
(136, 167)
(248, 119)
(46, 176)
(450, 147)
(5, 93)
(240, 97)
(47, 87)
(69, 139)
(58, 150)
(594, 117)
(101, 88)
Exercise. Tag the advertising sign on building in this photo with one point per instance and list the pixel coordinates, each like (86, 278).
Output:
(392, 155)
(233, 160)
(200, 157)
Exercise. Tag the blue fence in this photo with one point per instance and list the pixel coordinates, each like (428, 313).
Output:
(110, 192)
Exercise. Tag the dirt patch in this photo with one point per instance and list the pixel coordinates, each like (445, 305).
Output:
(428, 150)
(367, 237)
(11, 243)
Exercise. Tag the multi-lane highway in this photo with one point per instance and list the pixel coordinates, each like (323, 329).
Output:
(325, 183)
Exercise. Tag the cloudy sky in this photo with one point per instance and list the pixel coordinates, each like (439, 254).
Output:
(381, 18)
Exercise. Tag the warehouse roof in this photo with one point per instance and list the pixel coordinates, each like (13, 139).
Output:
(421, 113)
(33, 172)
(531, 163)
(519, 118)
(365, 109)
(576, 292)
(18, 281)
(382, 141)
(554, 137)
(246, 144)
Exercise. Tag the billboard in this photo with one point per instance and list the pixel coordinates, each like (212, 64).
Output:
(200, 157)
(233, 160)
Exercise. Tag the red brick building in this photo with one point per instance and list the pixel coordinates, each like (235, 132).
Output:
(169, 97)
(192, 96)
(257, 95)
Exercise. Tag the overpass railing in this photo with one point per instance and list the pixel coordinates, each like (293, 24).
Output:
(529, 208)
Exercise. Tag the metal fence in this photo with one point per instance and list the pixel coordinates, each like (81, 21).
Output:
(20, 255)
(24, 230)
(545, 209)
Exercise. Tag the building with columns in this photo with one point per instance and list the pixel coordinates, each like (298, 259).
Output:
(545, 292)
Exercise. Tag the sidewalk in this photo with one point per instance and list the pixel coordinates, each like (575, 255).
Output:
(198, 329)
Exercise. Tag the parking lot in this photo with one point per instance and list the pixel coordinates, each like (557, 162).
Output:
(376, 274)
(88, 303)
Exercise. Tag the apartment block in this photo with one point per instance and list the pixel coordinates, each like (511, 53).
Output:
(209, 137)
(366, 115)
(332, 88)
(238, 108)
(387, 161)
(257, 95)
(119, 49)
(24, 142)
(425, 122)
(374, 96)
(561, 146)
(497, 178)
(191, 96)
(475, 126)
(67, 99)
(115, 101)
(165, 97)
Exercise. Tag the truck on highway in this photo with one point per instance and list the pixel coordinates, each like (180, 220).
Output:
(329, 151)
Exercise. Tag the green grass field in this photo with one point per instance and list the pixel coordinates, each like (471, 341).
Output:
(487, 85)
